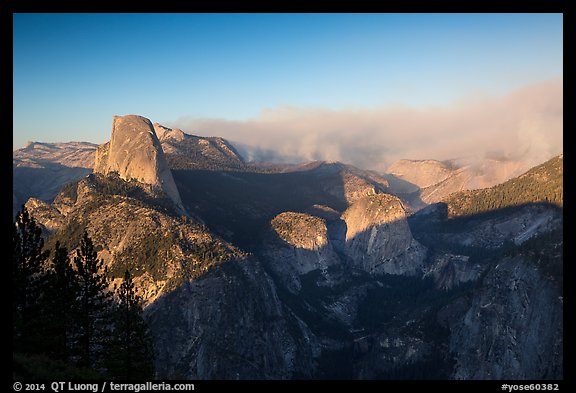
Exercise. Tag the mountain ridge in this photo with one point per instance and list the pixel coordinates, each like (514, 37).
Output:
(316, 271)
(433, 180)
(187, 151)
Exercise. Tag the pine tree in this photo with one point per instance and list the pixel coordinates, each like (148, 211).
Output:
(62, 294)
(131, 355)
(28, 277)
(94, 304)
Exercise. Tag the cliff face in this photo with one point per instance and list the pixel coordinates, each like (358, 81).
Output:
(230, 324)
(507, 240)
(135, 152)
(512, 328)
(378, 237)
(372, 235)
(299, 244)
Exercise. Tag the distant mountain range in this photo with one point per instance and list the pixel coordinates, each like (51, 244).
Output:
(434, 180)
(435, 270)
(40, 170)
(417, 182)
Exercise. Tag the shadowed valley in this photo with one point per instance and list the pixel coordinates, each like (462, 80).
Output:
(321, 270)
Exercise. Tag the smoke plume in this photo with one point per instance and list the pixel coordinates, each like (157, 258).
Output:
(526, 124)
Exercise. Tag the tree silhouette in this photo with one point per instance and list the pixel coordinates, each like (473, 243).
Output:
(61, 305)
(66, 322)
(28, 261)
(130, 355)
(94, 304)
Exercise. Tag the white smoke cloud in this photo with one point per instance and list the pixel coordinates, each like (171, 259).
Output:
(526, 124)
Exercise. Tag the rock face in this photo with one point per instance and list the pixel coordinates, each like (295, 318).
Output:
(230, 324)
(372, 235)
(301, 230)
(378, 237)
(301, 245)
(50, 218)
(509, 325)
(134, 152)
(449, 270)
(41, 169)
(513, 327)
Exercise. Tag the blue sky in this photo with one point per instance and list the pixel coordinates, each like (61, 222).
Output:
(73, 72)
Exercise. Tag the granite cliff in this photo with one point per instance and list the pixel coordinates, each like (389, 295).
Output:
(134, 152)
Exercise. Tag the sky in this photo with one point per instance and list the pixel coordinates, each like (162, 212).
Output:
(362, 88)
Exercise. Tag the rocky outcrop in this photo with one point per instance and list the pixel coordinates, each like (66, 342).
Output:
(134, 152)
(301, 230)
(378, 237)
(168, 134)
(449, 270)
(299, 244)
(49, 217)
(372, 235)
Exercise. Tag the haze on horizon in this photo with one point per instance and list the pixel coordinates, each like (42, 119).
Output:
(365, 89)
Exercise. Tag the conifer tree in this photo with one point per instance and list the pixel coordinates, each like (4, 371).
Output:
(131, 354)
(62, 295)
(28, 259)
(94, 304)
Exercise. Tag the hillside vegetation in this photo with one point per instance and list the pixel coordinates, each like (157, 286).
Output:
(162, 250)
(543, 183)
